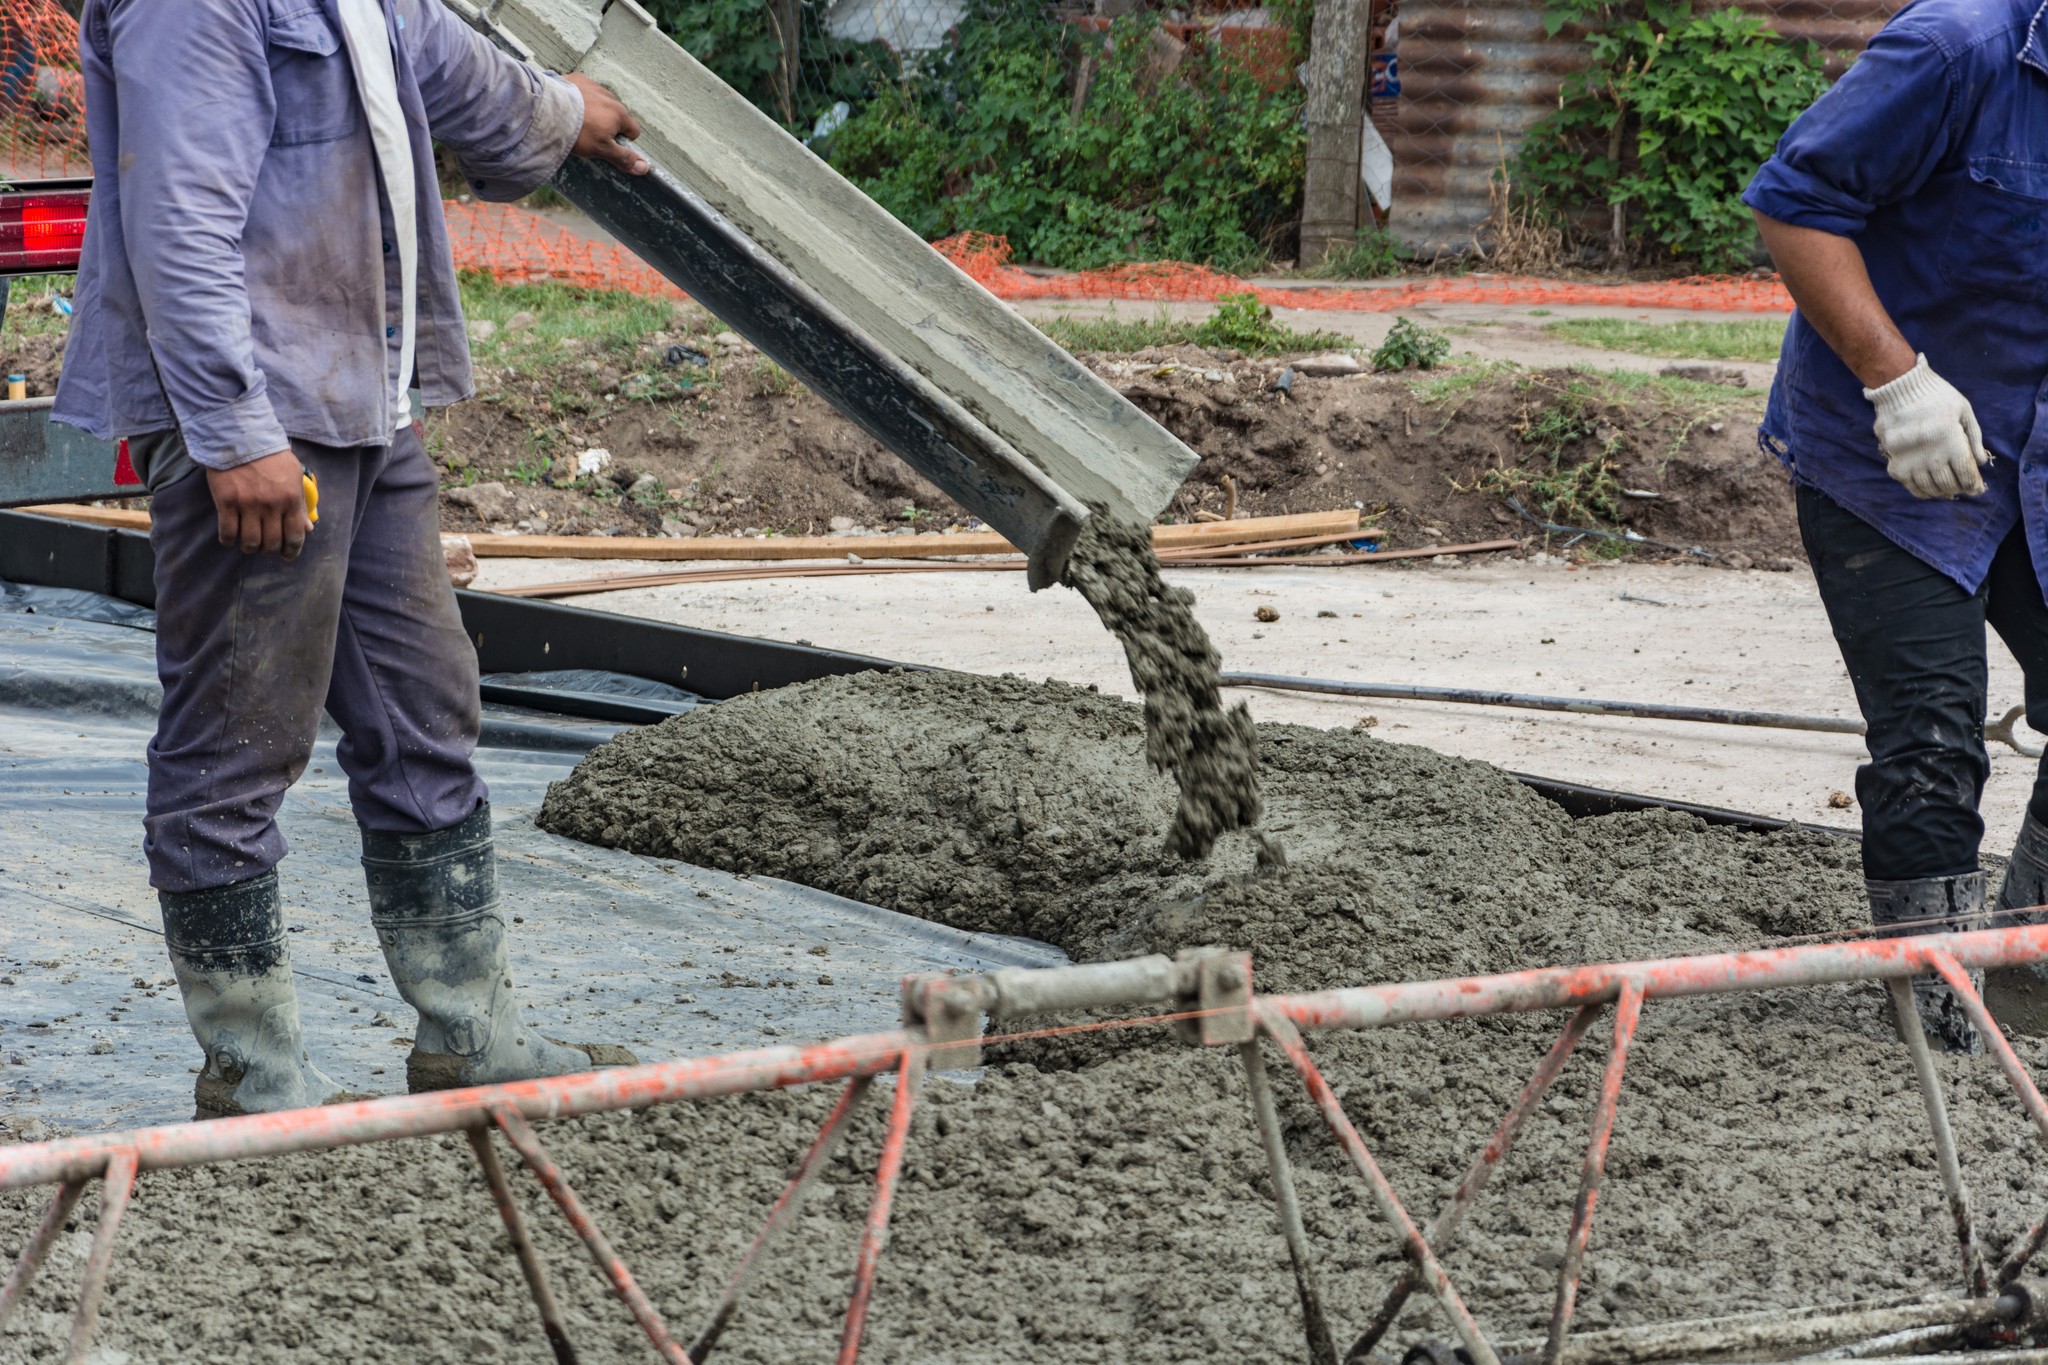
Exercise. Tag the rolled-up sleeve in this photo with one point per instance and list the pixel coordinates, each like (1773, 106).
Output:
(509, 125)
(191, 149)
(1870, 141)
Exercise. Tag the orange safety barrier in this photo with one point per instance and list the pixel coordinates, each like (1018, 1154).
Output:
(986, 259)
(517, 246)
(42, 95)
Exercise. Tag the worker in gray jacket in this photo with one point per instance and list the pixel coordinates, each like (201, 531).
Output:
(265, 275)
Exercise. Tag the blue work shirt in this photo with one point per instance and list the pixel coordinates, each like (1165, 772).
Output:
(232, 282)
(1931, 154)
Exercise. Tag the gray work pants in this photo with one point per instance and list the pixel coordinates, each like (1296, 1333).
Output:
(251, 649)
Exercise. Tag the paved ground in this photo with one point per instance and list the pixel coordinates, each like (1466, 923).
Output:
(1755, 640)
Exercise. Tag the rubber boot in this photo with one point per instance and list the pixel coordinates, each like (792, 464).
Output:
(434, 903)
(2018, 996)
(1934, 905)
(234, 971)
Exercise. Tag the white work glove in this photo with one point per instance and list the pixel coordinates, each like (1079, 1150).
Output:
(1929, 436)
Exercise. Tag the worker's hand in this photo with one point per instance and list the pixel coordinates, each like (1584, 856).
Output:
(1929, 435)
(605, 122)
(262, 505)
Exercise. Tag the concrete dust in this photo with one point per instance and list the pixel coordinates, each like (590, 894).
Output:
(1208, 750)
(1109, 1202)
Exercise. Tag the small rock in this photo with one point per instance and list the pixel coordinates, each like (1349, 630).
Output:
(728, 341)
(646, 486)
(1330, 364)
(520, 321)
(840, 524)
(593, 460)
(460, 557)
(491, 501)
(677, 530)
(1735, 559)
(101, 1047)
(1704, 372)
(1840, 800)
(483, 329)
(1327, 613)
(1266, 614)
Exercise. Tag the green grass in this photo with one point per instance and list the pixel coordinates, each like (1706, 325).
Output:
(1124, 335)
(1230, 327)
(28, 304)
(603, 322)
(1371, 255)
(1748, 339)
(1448, 385)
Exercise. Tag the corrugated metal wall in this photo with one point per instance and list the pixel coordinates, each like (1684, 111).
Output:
(1477, 74)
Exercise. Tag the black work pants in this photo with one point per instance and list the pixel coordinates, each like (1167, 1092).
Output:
(1914, 644)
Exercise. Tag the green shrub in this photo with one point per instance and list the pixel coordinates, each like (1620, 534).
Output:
(1201, 164)
(1408, 346)
(737, 39)
(1674, 113)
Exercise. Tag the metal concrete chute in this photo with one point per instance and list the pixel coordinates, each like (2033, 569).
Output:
(820, 277)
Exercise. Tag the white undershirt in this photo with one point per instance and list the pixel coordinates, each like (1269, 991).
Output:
(369, 51)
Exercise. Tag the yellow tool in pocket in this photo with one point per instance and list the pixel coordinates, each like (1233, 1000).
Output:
(312, 497)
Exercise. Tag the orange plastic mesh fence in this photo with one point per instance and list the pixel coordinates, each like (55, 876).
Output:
(517, 246)
(42, 96)
(987, 260)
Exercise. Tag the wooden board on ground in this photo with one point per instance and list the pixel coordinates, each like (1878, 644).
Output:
(1299, 528)
(883, 547)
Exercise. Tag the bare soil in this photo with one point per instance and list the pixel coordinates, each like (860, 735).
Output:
(738, 446)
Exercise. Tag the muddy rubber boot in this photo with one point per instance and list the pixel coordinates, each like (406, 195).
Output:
(434, 904)
(2018, 996)
(234, 971)
(1934, 905)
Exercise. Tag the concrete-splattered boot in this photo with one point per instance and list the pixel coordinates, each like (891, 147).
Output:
(1934, 905)
(234, 971)
(2018, 996)
(434, 903)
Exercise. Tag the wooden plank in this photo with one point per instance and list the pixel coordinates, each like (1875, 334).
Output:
(94, 516)
(883, 547)
(1332, 561)
(1203, 535)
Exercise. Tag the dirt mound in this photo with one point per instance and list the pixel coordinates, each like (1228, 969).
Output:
(758, 452)
(740, 446)
(1770, 1149)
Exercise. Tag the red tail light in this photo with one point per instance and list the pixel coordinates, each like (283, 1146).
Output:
(42, 230)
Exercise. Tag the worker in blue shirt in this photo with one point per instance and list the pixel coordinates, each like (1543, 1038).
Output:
(1907, 212)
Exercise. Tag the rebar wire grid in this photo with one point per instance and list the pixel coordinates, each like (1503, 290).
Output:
(1210, 1001)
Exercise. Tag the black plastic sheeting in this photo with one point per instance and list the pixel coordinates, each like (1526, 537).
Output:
(671, 959)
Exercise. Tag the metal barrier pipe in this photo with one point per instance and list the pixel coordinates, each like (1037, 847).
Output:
(449, 1111)
(1556, 988)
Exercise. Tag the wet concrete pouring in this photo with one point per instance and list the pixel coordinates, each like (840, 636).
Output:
(1102, 1197)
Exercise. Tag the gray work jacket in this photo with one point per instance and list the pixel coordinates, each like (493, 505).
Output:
(232, 282)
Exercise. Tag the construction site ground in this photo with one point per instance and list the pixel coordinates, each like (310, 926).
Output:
(1100, 1198)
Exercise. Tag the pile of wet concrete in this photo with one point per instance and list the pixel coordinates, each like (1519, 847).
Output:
(1109, 1202)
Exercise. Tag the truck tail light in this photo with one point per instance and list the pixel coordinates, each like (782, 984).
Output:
(42, 230)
